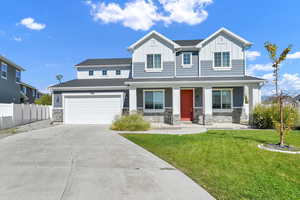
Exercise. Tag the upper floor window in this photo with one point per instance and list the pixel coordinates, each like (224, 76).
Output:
(18, 76)
(118, 72)
(3, 70)
(222, 98)
(222, 59)
(186, 58)
(104, 72)
(23, 89)
(154, 62)
(91, 72)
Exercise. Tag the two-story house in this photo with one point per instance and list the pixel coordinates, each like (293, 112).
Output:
(166, 80)
(12, 89)
(10, 77)
(29, 93)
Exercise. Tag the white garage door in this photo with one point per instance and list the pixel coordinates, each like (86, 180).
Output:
(92, 110)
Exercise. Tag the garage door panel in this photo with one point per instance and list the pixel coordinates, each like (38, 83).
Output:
(92, 110)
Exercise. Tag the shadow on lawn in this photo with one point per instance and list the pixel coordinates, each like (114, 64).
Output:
(226, 134)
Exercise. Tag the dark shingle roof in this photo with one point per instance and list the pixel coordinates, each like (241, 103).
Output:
(121, 82)
(187, 42)
(92, 83)
(106, 61)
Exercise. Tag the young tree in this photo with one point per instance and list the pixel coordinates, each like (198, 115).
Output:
(44, 100)
(272, 50)
(282, 123)
(59, 77)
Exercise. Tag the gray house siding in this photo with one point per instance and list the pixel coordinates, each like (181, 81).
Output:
(57, 96)
(9, 89)
(105, 68)
(139, 70)
(207, 69)
(184, 71)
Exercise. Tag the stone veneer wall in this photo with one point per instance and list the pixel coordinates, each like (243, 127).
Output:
(57, 115)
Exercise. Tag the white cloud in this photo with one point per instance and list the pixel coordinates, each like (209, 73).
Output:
(143, 14)
(290, 82)
(295, 55)
(31, 24)
(18, 39)
(268, 76)
(252, 55)
(259, 67)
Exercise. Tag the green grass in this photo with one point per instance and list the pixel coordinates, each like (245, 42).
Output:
(228, 164)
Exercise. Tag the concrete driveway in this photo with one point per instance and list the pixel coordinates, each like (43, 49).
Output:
(87, 163)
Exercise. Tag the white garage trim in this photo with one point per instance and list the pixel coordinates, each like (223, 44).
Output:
(97, 96)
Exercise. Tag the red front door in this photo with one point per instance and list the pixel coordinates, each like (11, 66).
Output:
(186, 108)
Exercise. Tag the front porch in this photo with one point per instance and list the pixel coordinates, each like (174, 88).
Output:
(203, 105)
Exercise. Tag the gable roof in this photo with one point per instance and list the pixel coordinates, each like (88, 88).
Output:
(188, 42)
(131, 47)
(106, 61)
(245, 42)
(9, 62)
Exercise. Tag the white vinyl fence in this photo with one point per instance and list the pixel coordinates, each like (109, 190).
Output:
(12, 115)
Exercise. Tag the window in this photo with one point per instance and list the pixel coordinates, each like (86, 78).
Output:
(18, 76)
(23, 89)
(222, 59)
(222, 98)
(118, 72)
(153, 61)
(187, 58)
(3, 70)
(91, 72)
(154, 100)
(104, 72)
(34, 93)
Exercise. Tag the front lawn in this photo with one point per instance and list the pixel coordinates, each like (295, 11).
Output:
(228, 164)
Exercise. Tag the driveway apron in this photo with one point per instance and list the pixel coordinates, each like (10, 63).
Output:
(87, 162)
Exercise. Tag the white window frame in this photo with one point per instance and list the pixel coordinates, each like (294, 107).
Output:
(191, 60)
(1, 70)
(154, 69)
(91, 71)
(102, 72)
(18, 71)
(119, 71)
(222, 68)
(154, 110)
(221, 109)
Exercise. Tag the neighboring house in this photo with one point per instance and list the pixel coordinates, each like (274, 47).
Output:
(166, 80)
(28, 93)
(10, 76)
(297, 98)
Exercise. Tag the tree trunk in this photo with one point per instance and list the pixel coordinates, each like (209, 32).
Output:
(281, 121)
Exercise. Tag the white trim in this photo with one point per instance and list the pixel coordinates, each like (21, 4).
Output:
(154, 110)
(223, 109)
(132, 47)
(1, 70)
(246, 43)
(87, 88)
(154, 69)
(191, 60)
(100, 66)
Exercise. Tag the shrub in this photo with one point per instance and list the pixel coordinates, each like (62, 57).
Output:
(262, 117)
(133, 122)
(266, 117)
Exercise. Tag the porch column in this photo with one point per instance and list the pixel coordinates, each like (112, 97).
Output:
(254, 99)
(176, 104)
(132, 100)
(207, 105)
(245, 110)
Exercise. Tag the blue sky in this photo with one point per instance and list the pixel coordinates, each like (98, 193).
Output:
(50, 37)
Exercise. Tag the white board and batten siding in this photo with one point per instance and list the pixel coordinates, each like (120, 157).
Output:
(222, 43)
(92, 109)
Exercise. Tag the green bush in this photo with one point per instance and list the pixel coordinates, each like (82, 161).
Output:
(133, 122)
(265, 116)
(262, 117)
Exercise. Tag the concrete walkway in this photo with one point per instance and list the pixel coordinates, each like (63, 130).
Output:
(87, 162)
